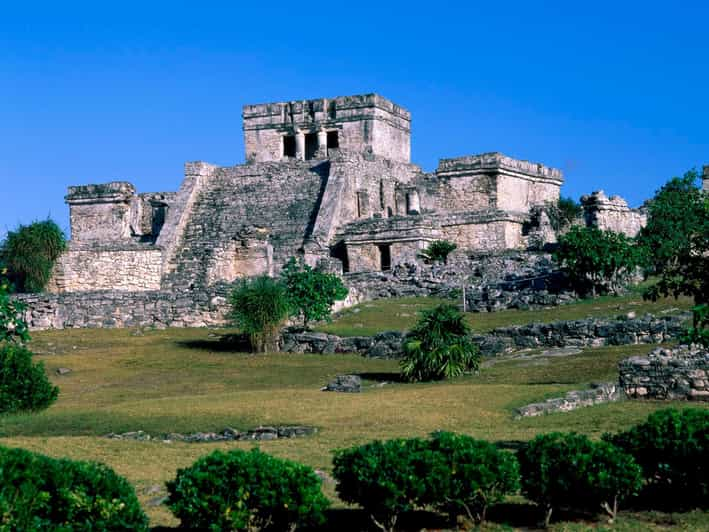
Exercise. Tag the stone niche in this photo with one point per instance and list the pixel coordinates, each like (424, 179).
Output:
(612, 214)
(100, 212)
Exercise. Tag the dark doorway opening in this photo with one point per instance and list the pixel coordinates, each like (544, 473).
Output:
(339, 251)
(311, 145)
(385, 257)
(333, 141)
(289, 146)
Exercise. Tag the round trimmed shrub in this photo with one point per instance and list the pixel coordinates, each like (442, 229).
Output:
(42, 493)
(476, 474)
(24, 386)
(672, 447)
(387, 478)
(439, 346)
(246, 490)
(571, 471)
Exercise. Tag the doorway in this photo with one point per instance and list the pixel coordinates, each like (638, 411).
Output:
(384, 257)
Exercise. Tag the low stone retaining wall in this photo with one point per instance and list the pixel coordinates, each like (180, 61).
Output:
(590, 332)
(117, 309)
(678, 373)
(602, 392)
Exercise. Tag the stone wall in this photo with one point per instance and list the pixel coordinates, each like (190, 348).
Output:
(612, 214)
(705, 178)
(122, 267)
(116, 309)
(678, 373)
(589, 332)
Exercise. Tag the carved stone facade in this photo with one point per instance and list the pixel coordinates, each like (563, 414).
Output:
(329, 179)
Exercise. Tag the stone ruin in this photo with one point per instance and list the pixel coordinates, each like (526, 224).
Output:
(612, 214)
(329, 180)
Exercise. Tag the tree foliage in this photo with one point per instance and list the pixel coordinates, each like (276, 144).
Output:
(596, 260)
(42, 493)
(563, 212)
(439, 346)
(24, 386)
(570, 471)
(672, 447)
(438, 251)
(259, 306)
(30, 252)
(13, 327)
(311, 292)
(677, 242)
(242, 490)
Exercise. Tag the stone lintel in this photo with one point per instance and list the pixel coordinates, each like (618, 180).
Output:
(497, 162)
(113, 192)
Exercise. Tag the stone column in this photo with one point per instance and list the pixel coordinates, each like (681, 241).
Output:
(322, 144)
(413, 203)
(705, 178)
(300, 145)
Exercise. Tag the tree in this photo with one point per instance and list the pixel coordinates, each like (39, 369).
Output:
(311, 292)
(677, 242)
(438, 251)
(439, 346)
(30, 252)
(597, 260)
(259, 306)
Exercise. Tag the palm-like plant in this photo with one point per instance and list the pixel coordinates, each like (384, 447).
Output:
(439, 346)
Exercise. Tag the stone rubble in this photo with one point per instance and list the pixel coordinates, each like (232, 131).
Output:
(228, 434)
(601, 392)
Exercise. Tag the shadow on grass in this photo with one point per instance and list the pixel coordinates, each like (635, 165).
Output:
(226, 343)
(382, 377)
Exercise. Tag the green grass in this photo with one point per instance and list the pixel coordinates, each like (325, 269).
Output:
(186, 380)
(399, 314)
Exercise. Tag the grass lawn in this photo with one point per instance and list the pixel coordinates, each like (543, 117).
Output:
(182, 380)
(399, 314)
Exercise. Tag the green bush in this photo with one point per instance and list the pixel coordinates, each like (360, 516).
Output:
(439, 346)
(597, 261)
(571, 471)
(29, 254)
(23, 385)
(563, 212)
(311, 293)
(386, 478)
(438, 251)
(672, 447)
(259, 307)
(13, 327)
(474, 474)
(42, 493)
(240, 490)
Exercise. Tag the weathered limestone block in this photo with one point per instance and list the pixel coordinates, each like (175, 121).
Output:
(100, 212)
(602, 392)
(612, 214)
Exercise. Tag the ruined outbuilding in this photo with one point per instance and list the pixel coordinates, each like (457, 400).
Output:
(328, 179)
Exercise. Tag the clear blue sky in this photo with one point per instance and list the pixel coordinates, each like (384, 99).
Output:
(614, 93)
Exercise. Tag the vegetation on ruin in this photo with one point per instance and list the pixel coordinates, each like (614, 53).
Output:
(259, 307)
(563, 212)
(597, 261)
(30, 252)
(439, 346)
(311, 292)
(438, 251)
